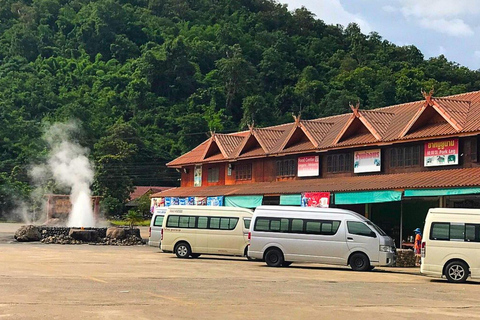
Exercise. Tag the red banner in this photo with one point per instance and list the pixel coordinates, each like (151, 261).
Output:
(316, 199)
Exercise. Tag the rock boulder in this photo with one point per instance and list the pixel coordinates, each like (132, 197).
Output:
(28, 233)
(84, 235)
(116, 233)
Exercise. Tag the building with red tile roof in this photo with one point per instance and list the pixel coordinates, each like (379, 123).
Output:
(390, 163)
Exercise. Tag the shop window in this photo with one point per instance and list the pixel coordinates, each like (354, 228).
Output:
(286, 168)
(212, 174)
(341, 162)
(401, 157)
(243, 172)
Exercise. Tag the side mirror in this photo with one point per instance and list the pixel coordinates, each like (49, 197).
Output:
(373, 234)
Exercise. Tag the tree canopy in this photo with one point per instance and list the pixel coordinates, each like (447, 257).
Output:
(148, 79)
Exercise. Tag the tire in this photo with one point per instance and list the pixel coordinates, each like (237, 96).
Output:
(182, 250)
(274, 258)
(195, 255)
(286, 263)
(359, 262)
(456, 272)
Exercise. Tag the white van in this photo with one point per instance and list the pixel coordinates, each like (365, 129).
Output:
(190, 231)
(155, 230)
(451, 244)
(281, 235)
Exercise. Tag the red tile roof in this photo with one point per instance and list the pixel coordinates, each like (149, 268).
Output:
(141, 190)
(386, 125)
(452, 178)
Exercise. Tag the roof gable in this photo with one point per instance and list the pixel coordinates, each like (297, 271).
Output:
(250, 146)
(298, 135)
(438, 110)
(359, 124)
(214, 150)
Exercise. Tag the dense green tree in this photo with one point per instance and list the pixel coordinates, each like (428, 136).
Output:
(149, 79)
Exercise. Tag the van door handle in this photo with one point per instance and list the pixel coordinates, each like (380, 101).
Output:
(349, 238)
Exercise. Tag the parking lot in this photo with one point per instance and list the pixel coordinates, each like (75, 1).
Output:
(40, 281)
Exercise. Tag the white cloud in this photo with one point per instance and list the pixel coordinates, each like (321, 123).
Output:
(330, 11)
(443, 16)
(454, 27)
(438, 8)
(389, 9)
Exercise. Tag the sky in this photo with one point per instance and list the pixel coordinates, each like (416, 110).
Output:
(448, 27)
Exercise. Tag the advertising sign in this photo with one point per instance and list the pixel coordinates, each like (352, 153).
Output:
(316, 199)
(197, 176)
(215, 201)
(308, 166)
(201, 201)
(156, 204)
(367, 161)
(441, 153)
(168, 201)
(175, 201)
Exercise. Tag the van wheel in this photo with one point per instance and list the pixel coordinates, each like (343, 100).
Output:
(195, 255)
(182, 250)
(359, 262)
(274, 258)
(456, 271)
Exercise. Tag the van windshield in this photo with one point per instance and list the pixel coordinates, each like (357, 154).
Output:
(374, 226)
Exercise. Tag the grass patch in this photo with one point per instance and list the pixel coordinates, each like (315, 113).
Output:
(144, 223)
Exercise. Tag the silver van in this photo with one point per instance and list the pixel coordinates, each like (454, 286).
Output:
(155, 230)
(281, 235)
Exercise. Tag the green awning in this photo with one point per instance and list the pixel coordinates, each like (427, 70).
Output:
(243, 201)
(367, 197)
(290, 199)
(439, 192)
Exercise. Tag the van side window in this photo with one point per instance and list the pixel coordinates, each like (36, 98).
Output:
(228, 223)
(172, 221)
(297, 225)
(457, 231)
(440, 231)
(187, 222)
(312, 226)
(202, 222)
(472, 232)
(246, 223)
(158, 221)
(360, 228)
(214, 223)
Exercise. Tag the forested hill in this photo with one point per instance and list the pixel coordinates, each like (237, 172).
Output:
(155, 76)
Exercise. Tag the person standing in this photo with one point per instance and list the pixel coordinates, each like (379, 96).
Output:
(417, 245)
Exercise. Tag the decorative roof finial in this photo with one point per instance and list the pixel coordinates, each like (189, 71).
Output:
(428, 96)
(355, 108)
(251, 126)
(297, 118)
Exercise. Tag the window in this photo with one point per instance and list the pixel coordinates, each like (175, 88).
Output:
(212, 174)
(222, 223)
(341, 162)
(286, 168)
(440, 231)
(186, 222)
(214, 223)
(360, 228)
(172, 221)
(401, 157)
(158, 221)
(455, 231)
(246, 223)
(287, 225)
(202, 223)
(243, 172)
(472, 232)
